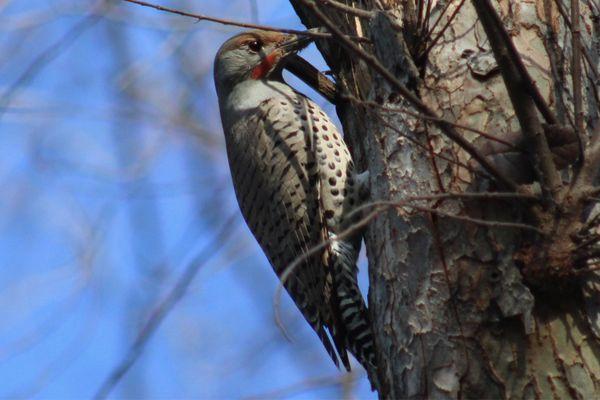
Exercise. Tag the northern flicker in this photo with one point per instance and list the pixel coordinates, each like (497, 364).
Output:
(295, 182)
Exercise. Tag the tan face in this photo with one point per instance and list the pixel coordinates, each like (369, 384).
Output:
(255, 43)
(251, 55)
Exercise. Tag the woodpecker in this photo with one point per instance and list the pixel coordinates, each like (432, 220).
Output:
(295, 184)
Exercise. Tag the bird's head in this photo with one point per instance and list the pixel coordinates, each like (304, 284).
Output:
(254, 55)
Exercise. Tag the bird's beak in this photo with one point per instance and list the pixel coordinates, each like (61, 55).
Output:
(293, 44)
(303, 69)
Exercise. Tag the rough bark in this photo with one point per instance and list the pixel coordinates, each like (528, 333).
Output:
(453, 315)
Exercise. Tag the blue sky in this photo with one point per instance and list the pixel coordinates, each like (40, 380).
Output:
(114, 178)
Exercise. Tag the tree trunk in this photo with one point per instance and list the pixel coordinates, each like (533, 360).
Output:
(463, 306)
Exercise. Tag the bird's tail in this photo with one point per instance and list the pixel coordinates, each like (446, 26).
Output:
(354, 321)
(328, 346)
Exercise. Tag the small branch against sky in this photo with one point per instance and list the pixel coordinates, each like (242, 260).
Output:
(158, 315)
(50, 53)
(358, 12)
(223, 21)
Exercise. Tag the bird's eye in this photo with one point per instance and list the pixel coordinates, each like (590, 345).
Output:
(255, 45)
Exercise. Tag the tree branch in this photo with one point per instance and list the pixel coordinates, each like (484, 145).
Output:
(445, 126)
(312, 77)
(518, 85)
(441, 32)
(383, 205)
(358, 12)
(516, 59)
(223, 21)
(591, 166)
(432, 119)
(576, 77)
(587, 56)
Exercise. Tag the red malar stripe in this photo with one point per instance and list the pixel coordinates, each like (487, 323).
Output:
(265, 66)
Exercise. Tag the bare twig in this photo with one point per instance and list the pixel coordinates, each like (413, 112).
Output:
(312, 77)
(51, 52)
(595, 220)
(437, 20)
(164, 307)
(223, 21)
(475, 221)
(517, 61)
(425, 23)
(441, 32)
(576, 77)
(420, 9)
(347, 9)
(309, 253)
(591, 165)
(383, 205)
(587, 56)
(476, 196)
(511, 53)
(444, 126)
(424, 147)
(429, 118)
(65, 358)
(518, 84)
(320, 83)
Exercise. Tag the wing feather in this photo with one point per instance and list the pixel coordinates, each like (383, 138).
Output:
(276, 183)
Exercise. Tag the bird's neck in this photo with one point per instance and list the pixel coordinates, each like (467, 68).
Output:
(251, 93)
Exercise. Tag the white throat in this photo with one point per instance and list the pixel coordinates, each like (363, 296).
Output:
(250, 93)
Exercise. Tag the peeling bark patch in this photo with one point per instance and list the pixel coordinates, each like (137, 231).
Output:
(446, 380)
(483, 65)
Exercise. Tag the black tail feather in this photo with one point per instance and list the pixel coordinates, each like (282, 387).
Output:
(328, 346)
(353, 319)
